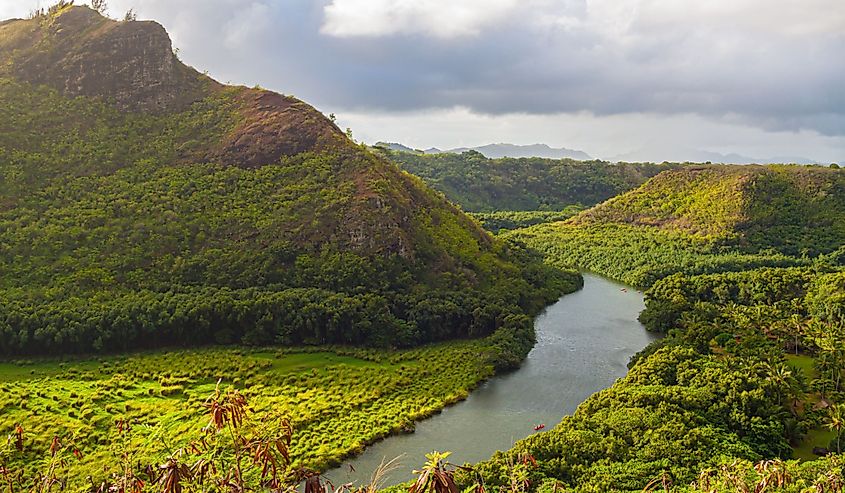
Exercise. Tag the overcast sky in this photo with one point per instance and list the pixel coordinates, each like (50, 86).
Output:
(646, 78)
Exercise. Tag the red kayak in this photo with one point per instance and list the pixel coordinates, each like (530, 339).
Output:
(539, 427)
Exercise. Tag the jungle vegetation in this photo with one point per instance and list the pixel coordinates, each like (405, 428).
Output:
(165, 219)
(743, 271)
(479, 184)
(497, 221)
(125, 226)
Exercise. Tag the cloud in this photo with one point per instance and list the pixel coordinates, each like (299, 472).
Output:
(642, 136)
(248, 26)
(773, 65)
(440, 18)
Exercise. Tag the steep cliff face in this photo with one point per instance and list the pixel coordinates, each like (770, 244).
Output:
(131, 65)
(81, 53)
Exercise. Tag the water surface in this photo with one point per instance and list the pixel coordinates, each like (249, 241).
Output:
(584, 342)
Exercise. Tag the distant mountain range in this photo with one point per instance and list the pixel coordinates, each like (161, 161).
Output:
(680, 155)
(495, 151)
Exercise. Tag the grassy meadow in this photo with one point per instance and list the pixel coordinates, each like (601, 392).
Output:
(338, 400)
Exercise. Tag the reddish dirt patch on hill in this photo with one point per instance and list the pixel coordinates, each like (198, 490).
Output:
(272, 126)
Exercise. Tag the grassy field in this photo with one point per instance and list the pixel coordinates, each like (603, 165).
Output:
(804, 363)
(819, 437)
(338, 399)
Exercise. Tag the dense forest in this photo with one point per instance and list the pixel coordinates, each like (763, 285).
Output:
(497, 221)
(744, 269)
(125, 225)
(794, 210)
(479, 184)
(149, 213)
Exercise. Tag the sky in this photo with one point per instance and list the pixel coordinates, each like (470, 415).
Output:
(639, 79)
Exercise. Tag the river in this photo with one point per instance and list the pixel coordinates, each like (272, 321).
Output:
(584, 342)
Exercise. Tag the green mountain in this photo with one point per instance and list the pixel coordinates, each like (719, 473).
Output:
(791, 209)
(703, 219)
(743, 271)
(495, 151)
(143, 204)
(479, 184)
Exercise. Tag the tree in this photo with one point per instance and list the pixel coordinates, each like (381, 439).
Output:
(836, 422)
(130, 16)
(436, 476)
(100, 6)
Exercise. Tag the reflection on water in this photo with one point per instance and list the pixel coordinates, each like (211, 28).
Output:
(584, 342)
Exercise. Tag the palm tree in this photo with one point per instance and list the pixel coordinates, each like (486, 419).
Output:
(797, 329)
(836, 422)
(435, 476)
(788, 385)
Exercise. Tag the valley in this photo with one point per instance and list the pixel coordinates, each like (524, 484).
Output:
(584, 342)
(208, 287)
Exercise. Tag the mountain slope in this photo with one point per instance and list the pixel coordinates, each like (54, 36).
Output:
(143, 204)
(792, 209)
(480, 184)
(704, 219)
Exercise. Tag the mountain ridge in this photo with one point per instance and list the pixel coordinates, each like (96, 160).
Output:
(705, 156)
(790, 208)
(481, 184)
(499, 150)
(224, 214)
(132, 66)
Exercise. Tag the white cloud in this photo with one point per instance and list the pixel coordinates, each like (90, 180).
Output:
(248, 26)
(617, 20)
(439, 18)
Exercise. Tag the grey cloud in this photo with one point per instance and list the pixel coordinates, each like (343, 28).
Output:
(522, 65)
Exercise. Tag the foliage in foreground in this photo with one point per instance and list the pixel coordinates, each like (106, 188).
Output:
(337, 400)
(238, 451)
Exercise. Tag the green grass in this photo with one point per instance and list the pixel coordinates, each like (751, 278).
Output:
(819, 437)
(804, 363)
(338, 399)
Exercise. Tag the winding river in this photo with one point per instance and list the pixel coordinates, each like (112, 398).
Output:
(584, 342)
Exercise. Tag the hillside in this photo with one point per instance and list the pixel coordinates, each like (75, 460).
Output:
(480, 184)
(742, 272)
(791, 209)
(703, 219)
(144, 204)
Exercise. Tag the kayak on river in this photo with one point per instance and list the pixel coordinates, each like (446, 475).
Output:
(539, 427)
